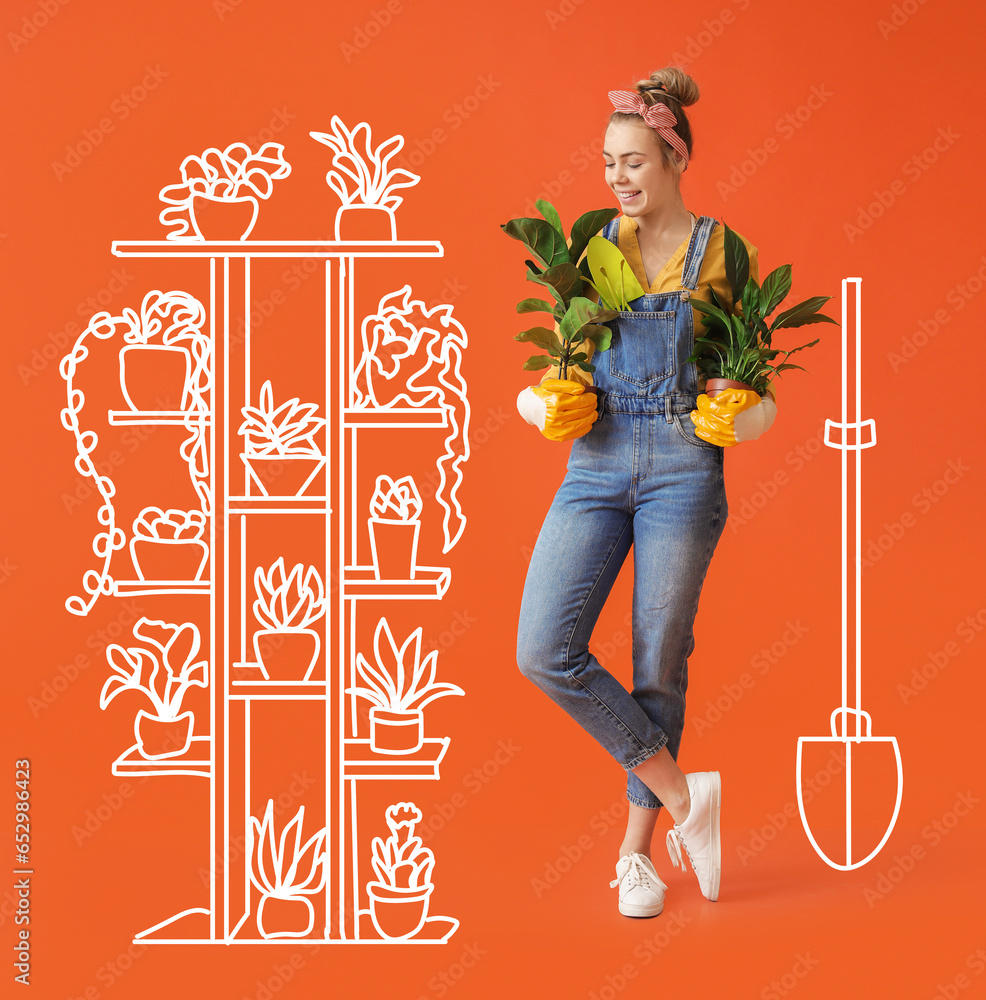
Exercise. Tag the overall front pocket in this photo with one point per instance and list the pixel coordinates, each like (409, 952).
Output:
(642, 350)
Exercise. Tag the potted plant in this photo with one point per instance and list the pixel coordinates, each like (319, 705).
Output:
(412, 357)
(286, 872)
(398, 690)
(364, 181)
(394, 527)
(166, 354)
(167, 545)
(167, 732)
(737, 351)
(403, 866)
(287, 604)
(281, 455)
(218, 193)
(580, 320)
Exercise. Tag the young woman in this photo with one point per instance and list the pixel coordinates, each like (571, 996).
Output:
(645, 471)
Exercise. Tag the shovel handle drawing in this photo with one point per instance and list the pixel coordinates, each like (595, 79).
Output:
(855, 436)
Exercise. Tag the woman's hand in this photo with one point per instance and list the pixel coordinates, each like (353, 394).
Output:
(733, 416)
(560, 408)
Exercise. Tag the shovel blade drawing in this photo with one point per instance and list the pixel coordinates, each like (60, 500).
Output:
(847, 789)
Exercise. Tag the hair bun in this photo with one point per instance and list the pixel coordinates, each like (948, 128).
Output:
(670, 82)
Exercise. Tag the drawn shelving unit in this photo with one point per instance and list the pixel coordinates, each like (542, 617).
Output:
(235, 495)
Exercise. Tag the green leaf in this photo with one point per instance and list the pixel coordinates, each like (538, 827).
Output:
(542, 337)
(534, 306)
(581, 312)
(565, 279)
(550, 214)
(737, 263)
(585, 366)
(601, 336)
(541, 237)
(588, 225)
(775, 287)
(751, 303)
(536, 362)
(802, 309)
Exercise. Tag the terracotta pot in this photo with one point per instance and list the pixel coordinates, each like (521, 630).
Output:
(287, 654)
(179, 559)
(365, 222)
(395, 546)
(283, 475)
(396, 732)
(285, 916)
(398, 913)
(152, 372)
(158, 739)
(717, 385)
(223, 220)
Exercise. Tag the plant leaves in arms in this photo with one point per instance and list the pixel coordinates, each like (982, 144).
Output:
(536, 362)
(541, 336)
(601, 336)
(586, 226)
(534, 306)
(802, 313)
(737, 263)
(775, 287)
(564, 280)
(581, 312)
(541, 237)
(550, 214)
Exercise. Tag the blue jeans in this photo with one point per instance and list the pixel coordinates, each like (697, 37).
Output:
(640, 478)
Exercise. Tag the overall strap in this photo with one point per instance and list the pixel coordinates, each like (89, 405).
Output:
(612, 229)
(696, 252)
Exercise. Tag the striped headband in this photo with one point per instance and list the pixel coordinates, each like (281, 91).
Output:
(658, 116)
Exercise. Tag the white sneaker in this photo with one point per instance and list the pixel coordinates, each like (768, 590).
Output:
(641, 889)
(699, 834)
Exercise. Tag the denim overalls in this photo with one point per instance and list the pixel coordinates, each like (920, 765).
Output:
(640, 476)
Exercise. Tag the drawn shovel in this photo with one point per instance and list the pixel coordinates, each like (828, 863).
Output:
(831, 767)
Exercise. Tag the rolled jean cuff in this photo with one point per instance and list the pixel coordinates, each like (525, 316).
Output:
(643, 805)
(647, 754)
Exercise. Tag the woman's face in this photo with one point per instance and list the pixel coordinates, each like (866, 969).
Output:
(635, 169)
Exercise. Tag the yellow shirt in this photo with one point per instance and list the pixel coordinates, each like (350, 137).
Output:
(668, 279)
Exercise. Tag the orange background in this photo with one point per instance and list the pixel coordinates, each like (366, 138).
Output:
(519, 94)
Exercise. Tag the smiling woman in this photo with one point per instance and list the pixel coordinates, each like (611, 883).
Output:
(644, 476)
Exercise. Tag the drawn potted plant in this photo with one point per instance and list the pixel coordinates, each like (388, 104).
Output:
(394, 525)
(281, 455)
(167, 545)
(580, 321)
(364, 181)
(412, 358)
(403, 866)
(736, 352)
(399, 686)
(286, 872)
(167, 355)
(219, 189)
(167, 732)
(286, 604)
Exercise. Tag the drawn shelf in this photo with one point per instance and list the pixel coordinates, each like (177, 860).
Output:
(196, 760)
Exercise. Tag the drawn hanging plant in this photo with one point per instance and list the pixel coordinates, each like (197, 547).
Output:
(739, 347)
(286, 872)
(287, 604)
(167, 732)
(399, 685)
(403, 866)
(280, 442)
(364, 181)
(394, 525)
(580, 320)
(217, 196)
(412, 357)
(167, 545)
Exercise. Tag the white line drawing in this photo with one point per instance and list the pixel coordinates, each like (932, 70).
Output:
(286, 873)
(403, 866)
(412, 357)
(287, 604)
(167, 732)
(398, 690)
(371, 202)
(839, 719)
(211, 200)
(178, 372)
(281, 453)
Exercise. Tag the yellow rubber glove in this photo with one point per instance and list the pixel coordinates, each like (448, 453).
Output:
(732, 417)
(569, 411)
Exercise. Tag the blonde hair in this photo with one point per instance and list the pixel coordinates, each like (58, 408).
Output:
(675, 88)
